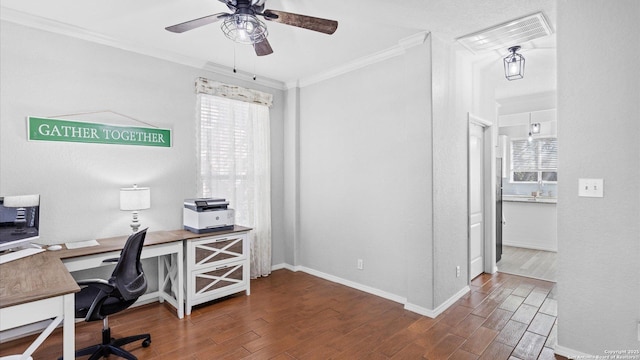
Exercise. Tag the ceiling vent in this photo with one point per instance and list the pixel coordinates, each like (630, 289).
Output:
(514, 32)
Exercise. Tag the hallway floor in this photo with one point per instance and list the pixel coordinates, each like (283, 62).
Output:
(537, 264)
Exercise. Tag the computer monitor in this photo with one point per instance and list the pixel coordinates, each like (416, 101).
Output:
(19, 220)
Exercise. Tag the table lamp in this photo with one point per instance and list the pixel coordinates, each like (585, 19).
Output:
(134, 199)
(21, 202)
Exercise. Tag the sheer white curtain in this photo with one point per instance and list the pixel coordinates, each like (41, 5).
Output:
(234, 162)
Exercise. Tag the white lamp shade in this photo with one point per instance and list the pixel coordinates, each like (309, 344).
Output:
(21, 201)
(135, 198)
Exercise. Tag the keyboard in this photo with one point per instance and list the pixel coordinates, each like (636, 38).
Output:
(19, 254)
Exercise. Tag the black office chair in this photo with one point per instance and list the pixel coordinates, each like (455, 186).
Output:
(101, 298)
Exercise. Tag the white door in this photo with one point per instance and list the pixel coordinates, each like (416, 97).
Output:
(476, 200)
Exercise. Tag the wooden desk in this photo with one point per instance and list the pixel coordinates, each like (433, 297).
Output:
(37, 288)
(40, 287)
(167, 246)
(164, 245)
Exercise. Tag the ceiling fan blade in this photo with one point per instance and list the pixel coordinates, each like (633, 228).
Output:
(195, 23)
(263, 48)
(302, 21)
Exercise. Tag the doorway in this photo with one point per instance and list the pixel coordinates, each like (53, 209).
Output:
(529, 202)
(481, 199)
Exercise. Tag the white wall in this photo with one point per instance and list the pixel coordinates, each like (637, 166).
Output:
(450, 179)
(369, 161)
(416, 202)
(291, 196)
(365, 175)
(45, 74)
(599, 130)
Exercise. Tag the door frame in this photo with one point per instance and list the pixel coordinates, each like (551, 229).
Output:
(490, 142)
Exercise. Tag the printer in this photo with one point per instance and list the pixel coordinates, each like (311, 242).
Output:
(205, 215)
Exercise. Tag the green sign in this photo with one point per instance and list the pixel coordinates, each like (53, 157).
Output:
(43, 129)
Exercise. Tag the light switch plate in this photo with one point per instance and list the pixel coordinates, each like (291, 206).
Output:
(591, 187)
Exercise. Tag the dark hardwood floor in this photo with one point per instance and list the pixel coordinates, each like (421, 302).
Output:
(298, 316)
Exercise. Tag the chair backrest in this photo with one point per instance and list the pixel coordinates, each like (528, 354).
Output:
(128, 275)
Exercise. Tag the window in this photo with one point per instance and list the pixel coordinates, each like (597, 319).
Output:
(234, 163)
(533, 161)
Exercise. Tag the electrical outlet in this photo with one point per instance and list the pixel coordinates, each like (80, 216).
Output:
(360, 264)
(591, 187)
(457, 271)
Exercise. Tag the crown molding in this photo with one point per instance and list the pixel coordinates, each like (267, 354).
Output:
(397, 50)
(57, 27)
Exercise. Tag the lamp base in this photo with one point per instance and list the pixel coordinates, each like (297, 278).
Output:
(135, 224)
(20, 223)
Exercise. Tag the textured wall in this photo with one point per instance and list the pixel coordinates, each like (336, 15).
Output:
(45, 74)
(365, 178)
(599, 129)
(450, 149)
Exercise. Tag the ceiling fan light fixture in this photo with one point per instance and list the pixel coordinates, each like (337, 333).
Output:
(244, 29)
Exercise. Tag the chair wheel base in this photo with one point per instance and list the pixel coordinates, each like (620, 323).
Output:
(111, 346)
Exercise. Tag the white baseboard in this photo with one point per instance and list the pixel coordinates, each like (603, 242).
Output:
(571, 354)
(352, 284)
(432, 313)
(280, 266)
(457, 296)
(420, 310)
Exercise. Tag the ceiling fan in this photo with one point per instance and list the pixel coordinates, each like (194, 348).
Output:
(243, 25)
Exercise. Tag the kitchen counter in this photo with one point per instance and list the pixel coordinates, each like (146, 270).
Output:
(531, 199)
(531, 223)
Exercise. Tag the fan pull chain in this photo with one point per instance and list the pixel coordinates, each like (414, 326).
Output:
(234, 58)
(234, 64)
(254, 68)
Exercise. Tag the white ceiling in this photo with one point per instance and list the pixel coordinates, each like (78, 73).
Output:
(366, 28)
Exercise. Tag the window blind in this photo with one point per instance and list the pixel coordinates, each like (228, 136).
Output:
(223, 144)
(538, 155)
(234, 163)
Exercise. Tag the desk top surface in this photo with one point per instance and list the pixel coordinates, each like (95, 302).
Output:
(33, 278)
(152, 238)
(43, 275)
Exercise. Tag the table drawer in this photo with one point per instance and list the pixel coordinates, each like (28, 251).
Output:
(217, 281)
(97, 260)
(218, 250)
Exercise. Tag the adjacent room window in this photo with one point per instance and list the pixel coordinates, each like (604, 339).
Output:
(532, 161)
(234, 163)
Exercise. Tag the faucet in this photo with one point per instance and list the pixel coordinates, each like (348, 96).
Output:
(540, 187)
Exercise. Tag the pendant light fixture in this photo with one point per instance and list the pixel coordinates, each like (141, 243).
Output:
(514, 64)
